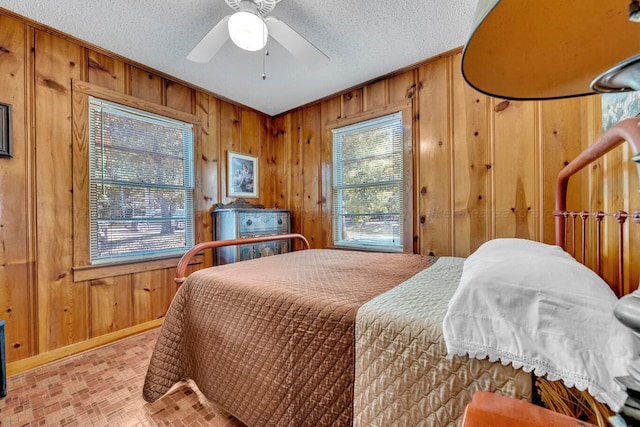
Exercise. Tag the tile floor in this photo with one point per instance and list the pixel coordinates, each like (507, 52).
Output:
(103, 387)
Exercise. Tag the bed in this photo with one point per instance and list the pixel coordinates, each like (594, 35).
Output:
(325, 337)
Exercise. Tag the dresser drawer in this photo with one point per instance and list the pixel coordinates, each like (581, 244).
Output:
(261, 250)
(239, 223)
(251, 223)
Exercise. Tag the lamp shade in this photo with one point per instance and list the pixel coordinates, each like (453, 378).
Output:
(248, 30)
(545, 49)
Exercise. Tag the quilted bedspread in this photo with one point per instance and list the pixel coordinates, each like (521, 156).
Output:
(403, 375)
(272, 340)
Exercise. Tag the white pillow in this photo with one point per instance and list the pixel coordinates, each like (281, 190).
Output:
(534, 306)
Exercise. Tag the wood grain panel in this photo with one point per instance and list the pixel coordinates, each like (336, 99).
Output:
(311, 217)
(560, 144)
(434, 184)
(402, 87)
(615, 198)
(472, 167)
(329, 112)
(63, 306)
(376, 95)
(230, 139)
(264, 158)
(352, 103)
(111, 305)
(179, 96)
(107, 72)
(268, 186)
(251, 136)
(81, 209)
(17, 287)
(279, 179)
(206, 164)
(251, 132)
(145, 85)
(515, 169)
(589, 191)
(151, 291)
(294, 169)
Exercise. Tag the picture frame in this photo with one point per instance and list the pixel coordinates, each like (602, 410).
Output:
(618, 106)
(242, 175)
(5, 130)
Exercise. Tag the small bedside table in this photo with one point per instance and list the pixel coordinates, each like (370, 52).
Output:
(492, 410)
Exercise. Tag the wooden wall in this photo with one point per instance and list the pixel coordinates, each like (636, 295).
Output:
(483, 168)
(52, 307)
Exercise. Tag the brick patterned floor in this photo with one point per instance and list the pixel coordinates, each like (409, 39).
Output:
(103, 387)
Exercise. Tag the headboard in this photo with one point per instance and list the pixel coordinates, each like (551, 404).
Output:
(569, 224)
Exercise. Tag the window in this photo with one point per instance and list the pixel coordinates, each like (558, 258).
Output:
(369, 173)
(140, 183)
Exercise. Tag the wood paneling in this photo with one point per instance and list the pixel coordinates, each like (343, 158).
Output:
(329, 112)
(401, 87)
(376, 95)
(44, 202)
(63, 306)
(145, 85)
(482, 168)
(207, 167)
(18, 303)
(294, 169)
(560, 144)
(108, 73)
(514, 169)
(311, 215)
(434, 186)
(472, 168)
(352, 103)
(179, 97)
(111, 305)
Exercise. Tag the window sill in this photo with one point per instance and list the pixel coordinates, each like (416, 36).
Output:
(93, 272)
(366, 249)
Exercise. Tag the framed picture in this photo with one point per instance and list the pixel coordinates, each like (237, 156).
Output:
(242, 175)
(5, 130)
(619, 106)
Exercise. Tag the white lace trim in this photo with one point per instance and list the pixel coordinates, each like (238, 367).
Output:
(614, 399)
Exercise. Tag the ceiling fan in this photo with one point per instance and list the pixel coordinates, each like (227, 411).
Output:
(249, 28)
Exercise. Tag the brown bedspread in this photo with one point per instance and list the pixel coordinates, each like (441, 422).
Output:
(272, 340)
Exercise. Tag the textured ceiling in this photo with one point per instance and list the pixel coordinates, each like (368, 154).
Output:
(364, 39)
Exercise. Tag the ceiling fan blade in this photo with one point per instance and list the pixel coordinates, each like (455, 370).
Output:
(211, 43)
(299, 47)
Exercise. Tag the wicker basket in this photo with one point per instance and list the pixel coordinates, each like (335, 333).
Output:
(572, 402)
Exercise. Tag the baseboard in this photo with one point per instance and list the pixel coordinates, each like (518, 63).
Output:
(23, 365)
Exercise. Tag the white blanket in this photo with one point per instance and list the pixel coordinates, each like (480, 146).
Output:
(534, 306)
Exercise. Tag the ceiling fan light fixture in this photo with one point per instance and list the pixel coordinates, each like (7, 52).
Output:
(248, 30)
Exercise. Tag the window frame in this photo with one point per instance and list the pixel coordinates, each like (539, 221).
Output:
(100, 108)
(81, 91)
(408, 203)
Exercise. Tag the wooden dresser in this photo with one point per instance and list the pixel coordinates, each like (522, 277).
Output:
(236, 223)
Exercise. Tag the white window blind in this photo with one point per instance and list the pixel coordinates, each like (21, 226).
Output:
(141, 183)
(368, 185)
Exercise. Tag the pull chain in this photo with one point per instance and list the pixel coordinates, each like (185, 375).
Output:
(264, 62)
